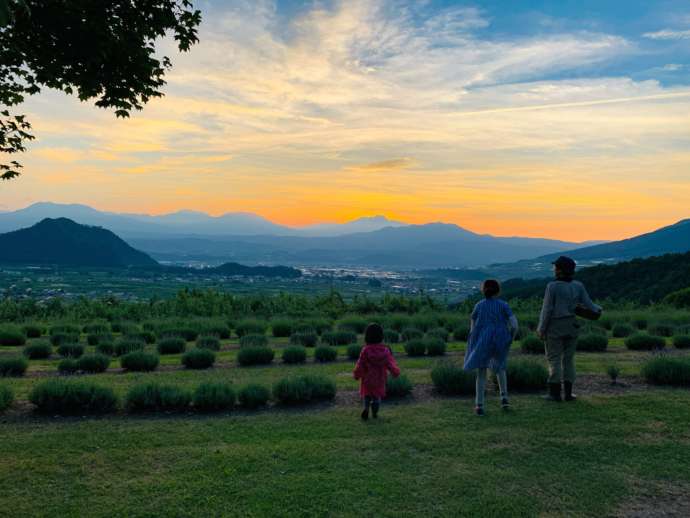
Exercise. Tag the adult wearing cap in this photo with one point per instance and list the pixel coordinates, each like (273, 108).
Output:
(564, 298)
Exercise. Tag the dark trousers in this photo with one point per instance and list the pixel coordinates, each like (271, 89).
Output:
(561, 339)
(372, 401)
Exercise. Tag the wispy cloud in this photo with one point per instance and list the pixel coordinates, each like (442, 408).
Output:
(673, 67)
(273, 115)
(394, 164)
(668, 34)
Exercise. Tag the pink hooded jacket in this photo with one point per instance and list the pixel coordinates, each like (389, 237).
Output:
(375, 361)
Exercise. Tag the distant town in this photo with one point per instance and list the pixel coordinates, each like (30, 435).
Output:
(45, 283)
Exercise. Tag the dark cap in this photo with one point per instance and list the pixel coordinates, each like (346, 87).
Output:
(565, 263)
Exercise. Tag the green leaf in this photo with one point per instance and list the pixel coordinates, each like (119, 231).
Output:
(5, 14)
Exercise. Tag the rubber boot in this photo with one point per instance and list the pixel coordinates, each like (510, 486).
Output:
(365, 413)
(568, 389)
(554, 392)
(375, 409)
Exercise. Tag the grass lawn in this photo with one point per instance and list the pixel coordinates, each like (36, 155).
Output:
(425, 456)
(430, 458)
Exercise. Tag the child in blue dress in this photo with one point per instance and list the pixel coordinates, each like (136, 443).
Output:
(492, 329)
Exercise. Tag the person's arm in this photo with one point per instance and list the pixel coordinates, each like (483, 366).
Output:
(584, 299)
(513, 321)
(473, 317)
(392, 366)
(546, 311)
(360, 367)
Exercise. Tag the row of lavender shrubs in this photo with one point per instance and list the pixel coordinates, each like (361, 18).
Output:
(523, 374)
(397, 325)
(307, 333)
(69, 397)
(597, 342)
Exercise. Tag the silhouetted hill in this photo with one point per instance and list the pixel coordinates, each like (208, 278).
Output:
(666, 240)
(640, 280)
(64, 242)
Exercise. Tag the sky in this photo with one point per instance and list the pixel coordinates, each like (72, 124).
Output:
(564, 119)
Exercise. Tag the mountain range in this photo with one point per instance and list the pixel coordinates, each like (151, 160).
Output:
(407, 247)
(666, 240)
(672, 239)
(454, 251)
(182, 223)
(372, 242)
(62, 242)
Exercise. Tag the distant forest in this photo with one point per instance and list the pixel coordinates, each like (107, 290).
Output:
(286, 272)
(640, 280)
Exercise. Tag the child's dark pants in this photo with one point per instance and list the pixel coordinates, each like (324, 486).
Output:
(374, 403)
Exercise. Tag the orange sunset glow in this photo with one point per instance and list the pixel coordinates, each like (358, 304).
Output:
(574, 134)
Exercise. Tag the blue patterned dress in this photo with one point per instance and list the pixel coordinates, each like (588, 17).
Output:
(489, 342)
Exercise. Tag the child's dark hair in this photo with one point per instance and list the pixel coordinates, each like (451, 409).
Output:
(373, 334)
(491, 288)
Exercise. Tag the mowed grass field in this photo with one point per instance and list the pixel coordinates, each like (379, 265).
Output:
(612, 453)
(432, 458)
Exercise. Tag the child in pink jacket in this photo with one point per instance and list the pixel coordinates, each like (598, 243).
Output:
(374, 364)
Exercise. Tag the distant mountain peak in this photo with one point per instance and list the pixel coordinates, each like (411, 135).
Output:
(49, 205)
(376, 219)
(187, 212)
(58, 222)
(64, 242)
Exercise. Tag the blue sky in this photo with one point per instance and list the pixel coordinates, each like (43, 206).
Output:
(562, 119)
(631, 19)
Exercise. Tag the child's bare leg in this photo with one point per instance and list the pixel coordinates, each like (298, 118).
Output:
(480, 387)
(502, 383)
(503, 386)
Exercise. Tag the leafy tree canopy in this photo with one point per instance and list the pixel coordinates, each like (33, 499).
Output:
(97, 49)
(643, 281)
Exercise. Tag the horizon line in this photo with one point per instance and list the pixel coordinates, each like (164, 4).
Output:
(304, 227)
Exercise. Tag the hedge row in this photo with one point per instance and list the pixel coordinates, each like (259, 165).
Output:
(420, 346)
(532, 344)
(38, 350)
(148, 331)
(67, 397)
(300, 390)
(645, 342)
(523, 375)
(667, 371)
(12, 335)
(6, 397)
(593, 342)
(13, 366)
